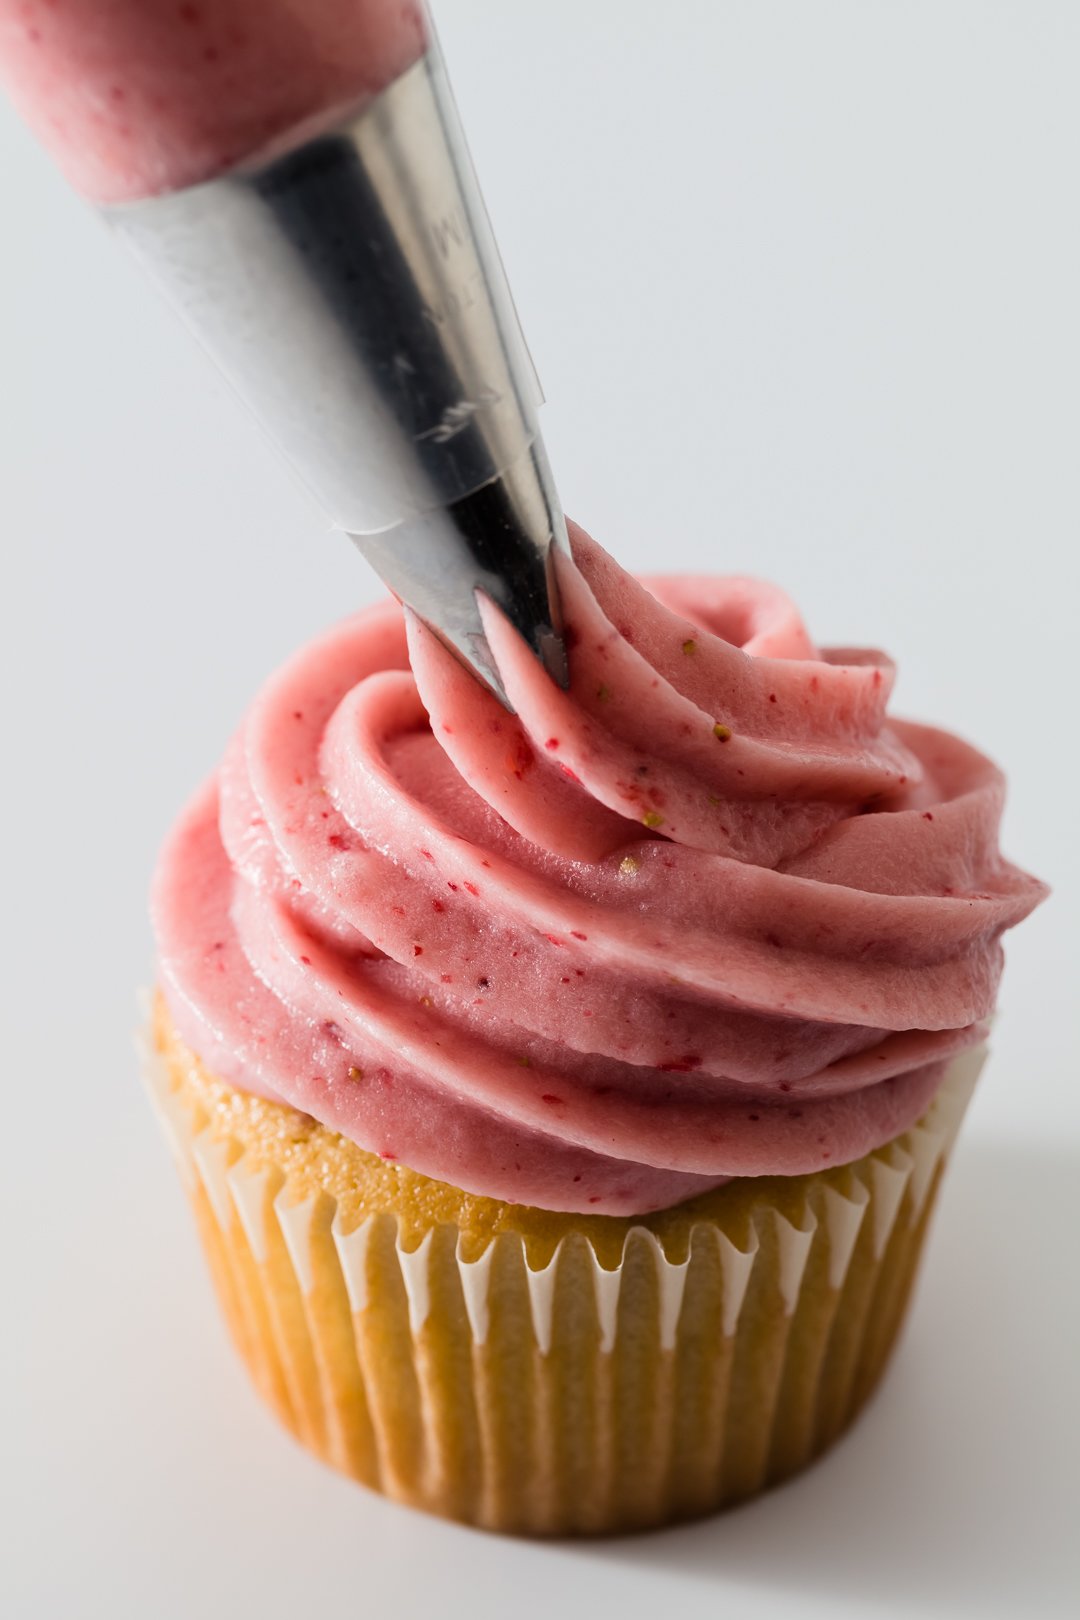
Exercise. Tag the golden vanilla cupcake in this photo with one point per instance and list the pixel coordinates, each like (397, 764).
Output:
(563, 1095)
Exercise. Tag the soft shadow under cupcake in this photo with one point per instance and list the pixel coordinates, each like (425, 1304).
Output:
(953, 1491)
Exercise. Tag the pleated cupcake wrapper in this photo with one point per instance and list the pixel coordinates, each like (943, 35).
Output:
(558, 1393)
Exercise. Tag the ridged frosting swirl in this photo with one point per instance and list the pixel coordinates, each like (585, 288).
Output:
(708, 913)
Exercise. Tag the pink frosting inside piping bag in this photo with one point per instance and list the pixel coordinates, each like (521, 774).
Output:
(137, 97)
(706, 914)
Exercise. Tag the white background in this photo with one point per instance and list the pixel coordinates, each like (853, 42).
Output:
(802, 283)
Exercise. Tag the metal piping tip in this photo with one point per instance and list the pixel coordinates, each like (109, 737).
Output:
(349, 286)
(498, 542)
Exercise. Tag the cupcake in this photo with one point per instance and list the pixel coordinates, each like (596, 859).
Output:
(562, 1095)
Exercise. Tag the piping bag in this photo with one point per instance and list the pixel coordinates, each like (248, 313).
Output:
(294, 175)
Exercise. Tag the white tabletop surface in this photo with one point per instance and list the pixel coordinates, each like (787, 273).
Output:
(802, 285)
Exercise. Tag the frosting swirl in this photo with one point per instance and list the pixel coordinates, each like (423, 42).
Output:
(706, 914)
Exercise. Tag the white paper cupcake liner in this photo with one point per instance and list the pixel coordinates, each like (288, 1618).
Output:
(540, 1388)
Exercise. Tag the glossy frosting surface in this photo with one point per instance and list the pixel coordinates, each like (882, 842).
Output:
(707, 914)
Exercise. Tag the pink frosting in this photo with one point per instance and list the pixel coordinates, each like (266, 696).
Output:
(706, 914)
(136, 97)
